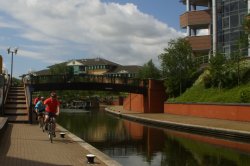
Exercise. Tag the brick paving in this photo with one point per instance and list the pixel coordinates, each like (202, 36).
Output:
(205, 122)
(27, 145)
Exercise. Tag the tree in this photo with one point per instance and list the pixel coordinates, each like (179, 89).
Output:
(218, 67)
(178, 66)
(61, 69)
(149, 70)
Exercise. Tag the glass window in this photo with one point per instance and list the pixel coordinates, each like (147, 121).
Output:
(225, 22)
(81, 68)
(234, 36)
(242, 4)
(226, 37)
(242, 17)
(226, 8)
(227, 51)
(234, 21)
(233, 6)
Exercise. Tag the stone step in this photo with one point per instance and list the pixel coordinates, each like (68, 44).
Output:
(16, 97)
(17, 89)
(16, 112)
(15, 93)
(19, 101)
(15, 106)
(18, 118)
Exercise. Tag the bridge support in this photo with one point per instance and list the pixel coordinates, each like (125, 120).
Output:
(152, 102)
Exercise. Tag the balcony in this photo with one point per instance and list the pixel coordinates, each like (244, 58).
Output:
(200, 19)
(197, 2)
(200, 43)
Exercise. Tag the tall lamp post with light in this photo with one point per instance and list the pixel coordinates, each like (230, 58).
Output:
(12, 51)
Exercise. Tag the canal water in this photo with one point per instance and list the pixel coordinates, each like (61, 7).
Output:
(134, 144)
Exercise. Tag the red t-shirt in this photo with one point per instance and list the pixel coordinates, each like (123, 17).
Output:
(51, 105)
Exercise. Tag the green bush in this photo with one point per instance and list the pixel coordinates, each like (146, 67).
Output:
(207, 81)
(245, 96)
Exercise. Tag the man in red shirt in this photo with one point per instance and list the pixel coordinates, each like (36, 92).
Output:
(52, 107)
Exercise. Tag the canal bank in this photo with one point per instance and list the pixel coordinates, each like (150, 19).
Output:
(26, 144)
(226, 129)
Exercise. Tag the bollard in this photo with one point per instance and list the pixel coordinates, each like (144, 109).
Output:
(62, 135)
(90, 158)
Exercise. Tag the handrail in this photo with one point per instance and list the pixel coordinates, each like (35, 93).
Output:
(85, 78)
(6, 87)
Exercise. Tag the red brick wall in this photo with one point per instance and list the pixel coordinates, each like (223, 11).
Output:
(118, 101)
(223, 111)
(153, 102)
(156, 97)
(134, 102)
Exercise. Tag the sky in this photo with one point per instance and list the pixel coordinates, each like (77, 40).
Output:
(46, 32)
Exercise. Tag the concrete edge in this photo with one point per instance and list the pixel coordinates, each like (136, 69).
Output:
(101, 156)
(3, 123)
(197, 129)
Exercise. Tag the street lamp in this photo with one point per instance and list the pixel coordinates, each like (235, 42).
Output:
(9, 50)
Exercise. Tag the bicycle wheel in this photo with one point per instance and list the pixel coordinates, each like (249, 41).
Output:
(50, 129)
(42, 123)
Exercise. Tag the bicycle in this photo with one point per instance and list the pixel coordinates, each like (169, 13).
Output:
(41, 120)
(51, 127)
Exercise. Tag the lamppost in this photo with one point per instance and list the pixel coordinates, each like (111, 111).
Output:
(9, 50)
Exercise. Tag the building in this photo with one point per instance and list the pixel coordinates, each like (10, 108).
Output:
(221, 19)
(96, 66)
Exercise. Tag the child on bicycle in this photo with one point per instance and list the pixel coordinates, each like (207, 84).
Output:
(52, 107)
(40, 109)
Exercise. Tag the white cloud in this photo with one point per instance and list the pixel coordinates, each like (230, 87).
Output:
(68, 29)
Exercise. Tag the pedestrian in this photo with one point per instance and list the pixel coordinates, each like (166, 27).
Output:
(52, 108)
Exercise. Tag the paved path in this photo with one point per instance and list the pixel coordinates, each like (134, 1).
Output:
(202, 123)
(27, 145)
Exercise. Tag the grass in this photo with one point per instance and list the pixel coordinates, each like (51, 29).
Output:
(197, 93)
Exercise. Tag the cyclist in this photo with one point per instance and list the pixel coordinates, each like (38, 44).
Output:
(37, 99)
(52, 108)
(34, 102)
(40, 109)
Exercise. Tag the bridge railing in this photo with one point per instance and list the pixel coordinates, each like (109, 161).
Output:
(41, 79)
(4, 87)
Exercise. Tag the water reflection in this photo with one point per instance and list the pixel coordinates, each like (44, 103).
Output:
(131, 143)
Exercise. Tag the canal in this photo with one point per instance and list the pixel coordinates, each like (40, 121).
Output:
(134, 144)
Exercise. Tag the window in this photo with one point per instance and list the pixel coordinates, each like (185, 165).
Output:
(234, 36)
(233, 6)
(226, 51)
(226, 9)
(225, 23)
(234, 21)
(226, 37)
(82, 68)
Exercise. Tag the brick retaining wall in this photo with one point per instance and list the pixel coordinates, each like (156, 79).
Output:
(239, 112)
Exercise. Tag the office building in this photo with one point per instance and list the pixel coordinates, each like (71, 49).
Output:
(221, 20)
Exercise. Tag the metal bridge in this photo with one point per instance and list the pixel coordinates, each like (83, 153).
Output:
(86, 82)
